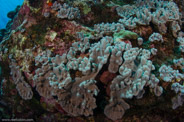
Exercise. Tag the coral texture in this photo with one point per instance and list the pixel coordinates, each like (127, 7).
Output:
(88, 59)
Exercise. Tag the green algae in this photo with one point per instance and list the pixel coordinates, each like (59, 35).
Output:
(125, 34)
(84, 6)
(86, 9)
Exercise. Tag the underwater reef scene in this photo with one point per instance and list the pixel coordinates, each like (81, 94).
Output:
(93, 61)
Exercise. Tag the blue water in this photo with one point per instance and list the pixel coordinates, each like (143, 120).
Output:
(5, 7)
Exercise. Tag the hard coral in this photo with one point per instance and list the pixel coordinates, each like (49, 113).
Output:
(105, 60)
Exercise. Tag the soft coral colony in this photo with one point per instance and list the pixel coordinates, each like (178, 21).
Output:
(66, 54)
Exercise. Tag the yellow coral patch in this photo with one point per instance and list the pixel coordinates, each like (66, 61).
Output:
(35, 10)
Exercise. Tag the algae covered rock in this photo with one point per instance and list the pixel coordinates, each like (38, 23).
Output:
(125, 34)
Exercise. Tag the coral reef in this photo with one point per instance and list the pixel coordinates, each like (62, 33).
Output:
(65, 11)
(93, 60)
(23, 88)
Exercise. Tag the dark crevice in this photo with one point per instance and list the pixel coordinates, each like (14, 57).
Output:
(36, 94)
(100, 99)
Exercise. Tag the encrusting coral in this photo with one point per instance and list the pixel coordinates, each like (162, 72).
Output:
(24, 89)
